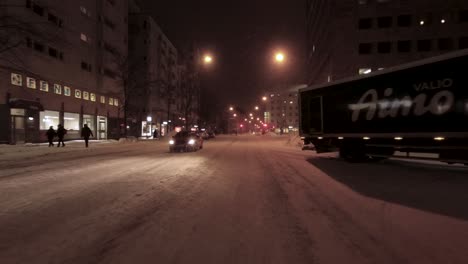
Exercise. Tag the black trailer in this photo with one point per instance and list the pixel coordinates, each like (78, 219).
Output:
(421, 107)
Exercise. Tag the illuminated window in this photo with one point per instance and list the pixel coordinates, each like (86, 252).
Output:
(85, 95)
(111, 101)
(92, 97)
(57, 89)
(116, 102)
(103, 99)
(71, 121)
(48, 119)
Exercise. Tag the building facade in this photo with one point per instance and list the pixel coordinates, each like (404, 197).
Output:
(61, 64)
(350, 37)
(155, 74)
(282, 109)
(164, 84)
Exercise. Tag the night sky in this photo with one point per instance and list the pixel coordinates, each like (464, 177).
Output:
(242, 36)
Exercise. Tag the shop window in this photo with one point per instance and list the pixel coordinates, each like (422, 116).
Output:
(384, 47)
(48, 119)
(365, 23)
(71, 121)
(424, 45)
(445, 44)
(404, 46)
(384, 22)
(404, 20)
(463, 43)
(365, 48)
(44, 86)
(89, 120)
(57, 89)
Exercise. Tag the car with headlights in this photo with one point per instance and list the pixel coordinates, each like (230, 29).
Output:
(185, 141)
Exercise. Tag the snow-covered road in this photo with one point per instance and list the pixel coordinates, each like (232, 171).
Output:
(245, 199)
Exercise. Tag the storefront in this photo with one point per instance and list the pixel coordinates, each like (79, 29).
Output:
(24, 121)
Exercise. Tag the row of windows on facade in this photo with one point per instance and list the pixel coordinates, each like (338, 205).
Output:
(409, 20)
(38, 46)
(17, 80)
(423, 45)
(71, 121)
(41, 10)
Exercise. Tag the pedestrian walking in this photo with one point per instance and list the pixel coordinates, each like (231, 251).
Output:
(155, 134)
(50, 135)
(86, 133)
(61, 131)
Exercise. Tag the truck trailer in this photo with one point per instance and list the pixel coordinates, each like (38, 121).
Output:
(415, 110)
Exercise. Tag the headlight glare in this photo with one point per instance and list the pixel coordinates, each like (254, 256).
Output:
(191, 142)
(171, 142)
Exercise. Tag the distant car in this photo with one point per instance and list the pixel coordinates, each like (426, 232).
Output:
(185, 141)
(205, 135)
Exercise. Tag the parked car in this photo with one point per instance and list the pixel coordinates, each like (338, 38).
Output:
(185, 141)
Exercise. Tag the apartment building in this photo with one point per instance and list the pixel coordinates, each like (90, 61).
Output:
(62, 64)
(350, 37)
(282, 109)
(155, 73)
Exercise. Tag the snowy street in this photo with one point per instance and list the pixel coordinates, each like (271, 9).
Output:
(241, 199)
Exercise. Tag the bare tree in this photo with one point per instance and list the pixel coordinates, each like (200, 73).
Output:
(19, 30)
(187, 94)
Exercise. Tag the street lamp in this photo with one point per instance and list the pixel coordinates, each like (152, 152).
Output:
(256, 107)
(264, 98)
(234, 115)
(279, 57)
(231, 108)
(208, 59)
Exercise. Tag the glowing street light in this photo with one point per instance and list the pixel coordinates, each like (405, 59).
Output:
(279, 57)
(231, 108)
(208, 59)
(256, 107)
(264, 98)
(234, 115)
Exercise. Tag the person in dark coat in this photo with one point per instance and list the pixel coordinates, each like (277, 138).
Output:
(61, 131)
(50, 136)
(85, 133)
(155, 134)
